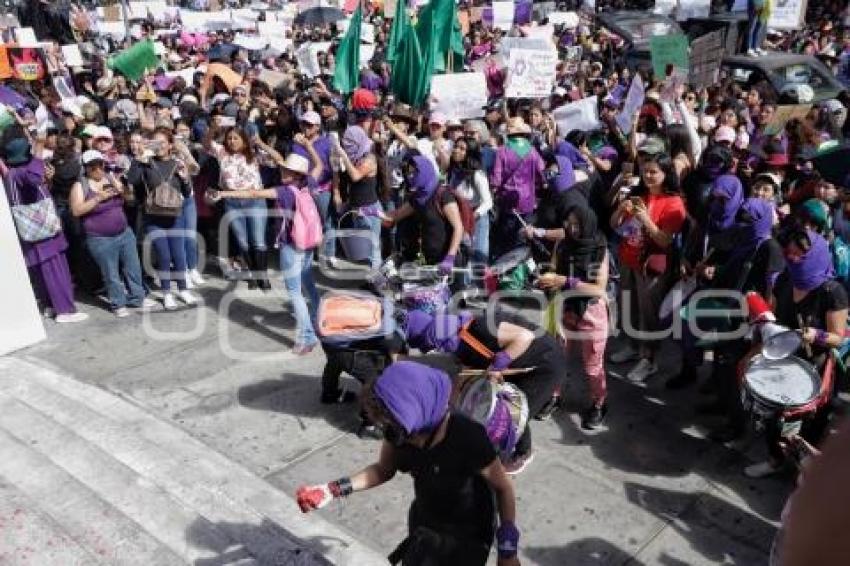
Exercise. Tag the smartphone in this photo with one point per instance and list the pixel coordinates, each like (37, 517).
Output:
(636, 201)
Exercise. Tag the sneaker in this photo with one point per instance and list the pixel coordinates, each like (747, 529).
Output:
(762, 470)
(552, 405)
(195, 277)
(121, 312)
(71, 317)
(643, 370)
(593, 416)
(146, 304)
(627, 354)
(518, 463)
(752, 53)
(187, 297)
(168, 302)
(188, 280)
(761, 51)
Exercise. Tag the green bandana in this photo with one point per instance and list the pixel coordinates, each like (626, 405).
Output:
(519, 145)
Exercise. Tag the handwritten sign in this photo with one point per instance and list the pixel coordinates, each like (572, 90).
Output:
(582, 115)
(634, 100)
(459, 95)
(503, 14)
(566, 19)
(706, 57)
(531, 73)
(308, 60)
(508, 44)
(72, 56)
(787, 14)
(669, 52)
(692, 9)
(784, 114)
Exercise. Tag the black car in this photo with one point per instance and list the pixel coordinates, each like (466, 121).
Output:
(779, 72)
(635, 28)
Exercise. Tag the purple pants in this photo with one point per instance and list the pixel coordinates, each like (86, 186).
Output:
(51, 280)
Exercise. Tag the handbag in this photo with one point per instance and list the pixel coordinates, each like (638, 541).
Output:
(164, 199)
(37, 221)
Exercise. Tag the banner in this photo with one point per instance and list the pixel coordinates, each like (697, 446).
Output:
(27, 63)
(531, 73)
(459, 95)
(308, 60)
(632, 105)
(582, 115)
(692, 9)
(503, 14)
(784, 114)
(787, 14)
(706, 56)
(669, 52)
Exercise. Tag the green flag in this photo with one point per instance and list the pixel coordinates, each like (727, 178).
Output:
(401, 26)
(347, 70)
(135, 60)
(412, 70)
(439, 32)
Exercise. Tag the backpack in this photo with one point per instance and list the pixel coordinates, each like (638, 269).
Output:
(467, 215)
(305, 228)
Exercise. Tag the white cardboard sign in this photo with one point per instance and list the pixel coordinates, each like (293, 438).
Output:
(459, 95)
(531, 73)
(634, 100)
(582, 115)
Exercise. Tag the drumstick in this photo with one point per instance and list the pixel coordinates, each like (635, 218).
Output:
(806, 345)
(540, 247)
(515, 371)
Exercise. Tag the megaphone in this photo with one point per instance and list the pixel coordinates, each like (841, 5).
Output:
(778, 342)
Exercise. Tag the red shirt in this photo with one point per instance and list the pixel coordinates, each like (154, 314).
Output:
(667, 212)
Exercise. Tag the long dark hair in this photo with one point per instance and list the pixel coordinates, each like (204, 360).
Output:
(679, 141)
(247, 150)
(671, 178)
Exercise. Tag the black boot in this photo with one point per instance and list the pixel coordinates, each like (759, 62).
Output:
(686, 377)
(248, 259)
(261, 267)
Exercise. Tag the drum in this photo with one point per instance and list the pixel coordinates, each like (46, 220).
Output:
(510, 260)
(772, 387)
(426, 298)
(501, 409)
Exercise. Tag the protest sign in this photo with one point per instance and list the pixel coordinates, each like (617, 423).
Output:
(503, 14)
(25, 37)
(787, 14)
(459, 95)
(308, 60)
(251, 42)
(63, 87)
(566, 19)
(508, 44)
(523, 12)
(687, 9)
(366, 54)
(669, 52)
(115, 30)
(367, 33)
(784, 114)
(531, 73)
(27, 63)
(72, 55)
(111, 13)
(389, 9)
(5, 66)
(271, 29)
(634, 101)
(188, 75)
(582, 115)
(543, 32)
(274, 78)
(706, 55)
(573, 54)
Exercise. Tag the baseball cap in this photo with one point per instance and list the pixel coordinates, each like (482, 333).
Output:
(92, 156)
(312, 118)
(724, 134)
(102, 132)
(437, 118)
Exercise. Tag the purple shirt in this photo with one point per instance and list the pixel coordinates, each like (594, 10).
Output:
(322, 145)
(514, 181)
(286, 203)
(107, 219)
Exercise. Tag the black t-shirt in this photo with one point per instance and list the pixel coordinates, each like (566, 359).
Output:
(436, 231)
(535, 355)
(363, 193)
(451, 494)
(767, 259)
(829, 297)
(67, 172)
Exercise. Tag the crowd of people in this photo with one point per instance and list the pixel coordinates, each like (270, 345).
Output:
(696, 189)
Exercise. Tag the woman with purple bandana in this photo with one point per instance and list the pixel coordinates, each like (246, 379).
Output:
(807, 298)
(455, 469)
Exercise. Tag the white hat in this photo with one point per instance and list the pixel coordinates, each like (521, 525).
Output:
(102, 132)
(297, 164)
(91, 156)
(725, 134)
(311, 117)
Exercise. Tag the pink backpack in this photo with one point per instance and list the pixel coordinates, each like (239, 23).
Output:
(305, 229)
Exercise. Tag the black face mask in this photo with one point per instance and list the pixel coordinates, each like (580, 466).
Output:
(395, 435)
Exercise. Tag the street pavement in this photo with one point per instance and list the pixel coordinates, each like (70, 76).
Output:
(180, 438)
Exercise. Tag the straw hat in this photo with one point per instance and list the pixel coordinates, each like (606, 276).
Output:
(297, 164)
(518, 127)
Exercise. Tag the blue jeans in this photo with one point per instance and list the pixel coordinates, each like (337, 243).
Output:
(481, 239)
(118, 260)
(323, 204)
(170, 251)
(190, 222)
(373, 224)
(297, 271)
(248, 222)
(757, 28)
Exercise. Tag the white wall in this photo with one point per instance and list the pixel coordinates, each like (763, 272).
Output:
(20, 321)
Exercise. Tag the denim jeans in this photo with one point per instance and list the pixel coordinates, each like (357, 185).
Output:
(248, 223)
(757, 28)
(190, 223)
(170, 248)
(323, 204)
(373, 224)
(481, 239)
(297, 272)
(119, 263)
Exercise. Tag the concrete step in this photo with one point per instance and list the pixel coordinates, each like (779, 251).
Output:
(238, 516)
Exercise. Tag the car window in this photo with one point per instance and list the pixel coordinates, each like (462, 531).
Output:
(739, 74)
(801, 74)
(642, 30)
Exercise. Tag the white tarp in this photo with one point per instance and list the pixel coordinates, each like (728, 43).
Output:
(459, 95)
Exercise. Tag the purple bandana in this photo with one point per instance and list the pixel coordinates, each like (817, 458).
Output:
(721, 211)
(425, 181)
(566, 177)
(415, 394)
(356, 143)
(750, 235)
(427, 332)
(815, 267)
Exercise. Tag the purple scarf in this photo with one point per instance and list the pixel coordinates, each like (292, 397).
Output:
(721, 212)
(356, 143)
(815, 267)
(427, 332)
(752, 234)
(425, 182)
(566, 175)
(572, 153)
(415, 394)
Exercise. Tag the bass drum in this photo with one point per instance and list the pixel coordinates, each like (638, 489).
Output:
(501, 409)
(773, 387)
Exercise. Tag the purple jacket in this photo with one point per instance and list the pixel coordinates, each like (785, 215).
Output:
(514, 181)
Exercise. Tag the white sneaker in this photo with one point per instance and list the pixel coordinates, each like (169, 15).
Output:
(762, 470)
(642, 371)
(627, 354)
(71, 317)
(189, 283)
(761, 51)
(187, 297)
(195, 277)
(168, 302)
(752, 53)
(147, 304)
(121, 312)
